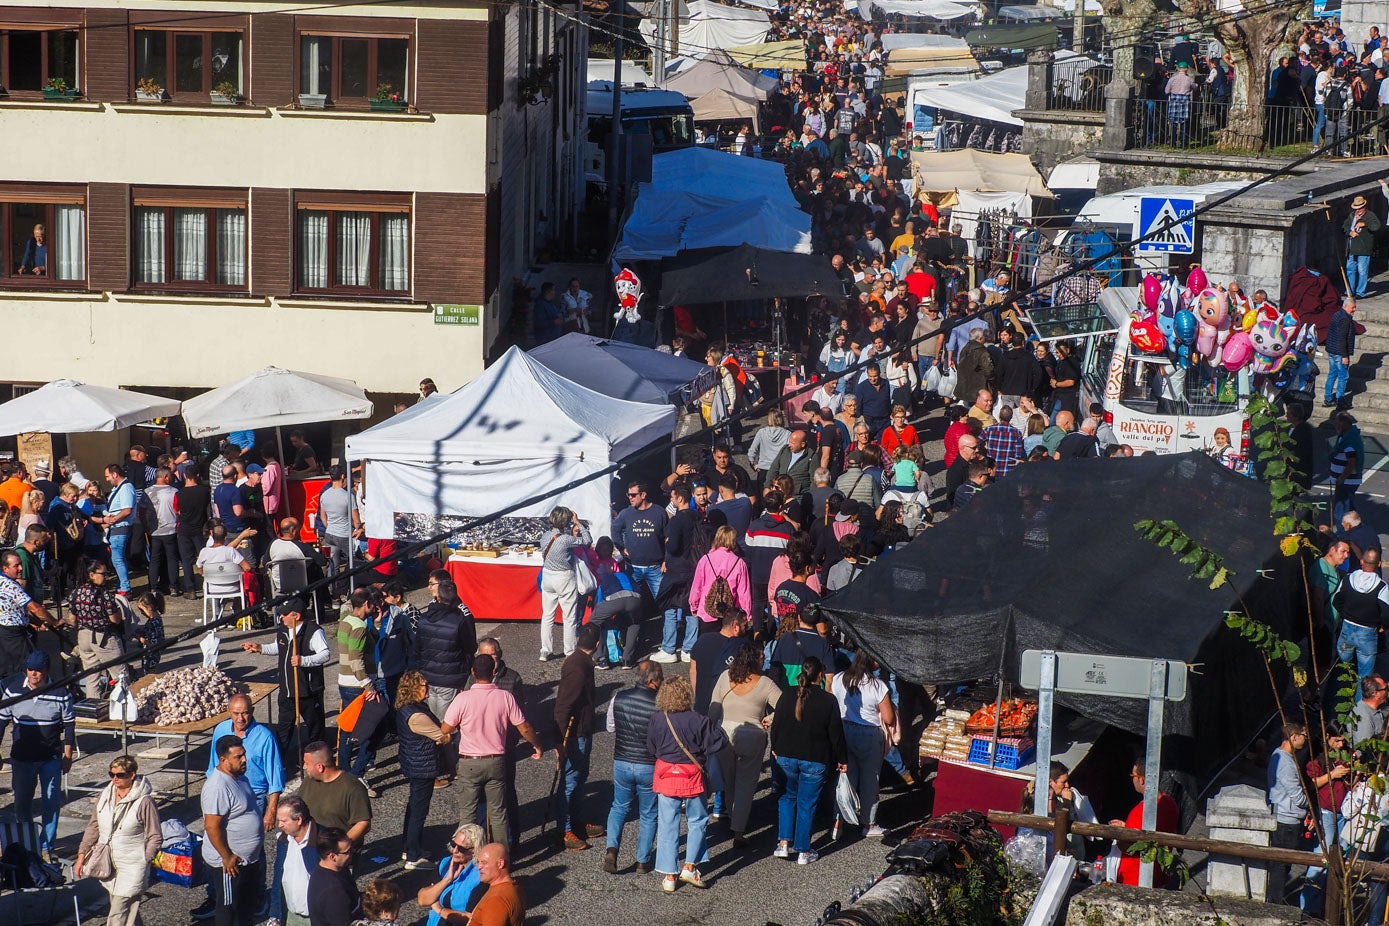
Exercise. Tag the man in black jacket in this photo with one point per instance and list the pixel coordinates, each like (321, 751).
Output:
(445, 642)
(574, 706)
(301, 648)
(1019, 374)
(677, 571)
(629, 714)
(1340, 348)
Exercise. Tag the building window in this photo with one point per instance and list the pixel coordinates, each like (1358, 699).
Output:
(349, 69)
(45, 236)
(189, 244)
(353, 249)
(189, 64)
(30, 58)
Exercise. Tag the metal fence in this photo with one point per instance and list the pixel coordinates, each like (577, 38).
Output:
(1078, 90)
(1203, 123)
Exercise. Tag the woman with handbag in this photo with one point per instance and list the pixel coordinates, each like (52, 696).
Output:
(420, 739)
(807, 738)
(564, 579)
(121, 840)
(742, 704)
(682, 741)
(865, 705)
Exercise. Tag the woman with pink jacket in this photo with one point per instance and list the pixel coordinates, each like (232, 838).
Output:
(722, 561)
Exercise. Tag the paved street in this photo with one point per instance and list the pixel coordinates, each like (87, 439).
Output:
(747, 886)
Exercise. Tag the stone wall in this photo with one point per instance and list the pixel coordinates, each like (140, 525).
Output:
(1051, 136)
(1117, 905)
(1123, 170)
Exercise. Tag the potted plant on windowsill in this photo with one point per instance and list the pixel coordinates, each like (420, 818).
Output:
(387, 99)
(313, 101)
(147, 90)
(226, 94)
(57, 89)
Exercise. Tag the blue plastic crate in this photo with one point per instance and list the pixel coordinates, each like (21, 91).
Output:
(1011, 753)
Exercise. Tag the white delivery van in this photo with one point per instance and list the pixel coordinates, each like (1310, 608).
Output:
(1150, 403)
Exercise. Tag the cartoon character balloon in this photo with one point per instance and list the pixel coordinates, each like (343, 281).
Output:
(1169, 303)
(1212, 309)
(1196, 280)
(1271, 338)
(1184, 327)
(628, 287)
(1237, 351)
(1146, 335)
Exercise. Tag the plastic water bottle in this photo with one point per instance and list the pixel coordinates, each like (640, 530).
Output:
(1097, 871)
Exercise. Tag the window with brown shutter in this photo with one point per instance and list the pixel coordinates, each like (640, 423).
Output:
(352, 244)
(44, 233)
(189, 240)
(35, 57)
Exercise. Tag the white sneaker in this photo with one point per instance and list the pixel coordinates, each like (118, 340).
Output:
(805, 858)
(685, 657)
(417, 864)
(782, 850)
(874, 831)
(662, 656)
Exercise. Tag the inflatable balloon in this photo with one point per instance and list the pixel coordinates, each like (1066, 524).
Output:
(1249, 318)
(1196, 280)
(1184, 326)
(1169, 303)
(1238, 349)
(1213, 312)
(1152, 290)
(1271, 337)
(1146, 335)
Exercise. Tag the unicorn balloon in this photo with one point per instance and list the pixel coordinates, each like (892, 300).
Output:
(1272, 338)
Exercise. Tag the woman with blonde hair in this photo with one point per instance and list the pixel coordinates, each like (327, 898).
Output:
(721, 579)
(31, 511)
(767, 443)
(419, 736)
(559, 591)
(126, 822)
(450, 899)
(682, 741)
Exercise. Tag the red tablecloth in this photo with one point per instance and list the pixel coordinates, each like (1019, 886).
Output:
(497, 591)
(961, 787)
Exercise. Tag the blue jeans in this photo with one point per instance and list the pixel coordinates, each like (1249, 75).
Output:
(366, 753)
(670, 635)
(1320, 126)
(1342, 500)
(1338, 376)
(1358, 646)
(651, 575)
(633, 780)
(866, 747)
(119, 544)
(1358, 274)
(575, 774)
(668, 832)
(1313, 900)
(48, 776)
(795, 810)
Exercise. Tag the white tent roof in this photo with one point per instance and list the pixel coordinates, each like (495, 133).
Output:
(917, 9)
(892, 41)
(273, 397)
(66, 406)
(701, 198)
(714, 25)
(993, 98)
(505, 436)
(518, 407)
(1076, 174)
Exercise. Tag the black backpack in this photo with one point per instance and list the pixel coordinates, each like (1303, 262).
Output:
(1334, 99)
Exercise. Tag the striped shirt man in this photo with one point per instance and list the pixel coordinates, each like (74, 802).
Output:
(44, 725)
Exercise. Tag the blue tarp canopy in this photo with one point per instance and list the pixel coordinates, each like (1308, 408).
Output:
(625, 371)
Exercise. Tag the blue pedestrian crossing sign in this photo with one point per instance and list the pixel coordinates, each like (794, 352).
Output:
(1155, 212)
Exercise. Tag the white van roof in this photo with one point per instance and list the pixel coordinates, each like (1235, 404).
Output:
(1119, 302)
(1122, 208)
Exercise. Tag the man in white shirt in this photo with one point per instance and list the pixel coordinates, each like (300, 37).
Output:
(220, 552)
(163, 541)
(295, 856)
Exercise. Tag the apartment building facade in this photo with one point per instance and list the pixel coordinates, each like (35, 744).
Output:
(221, 186)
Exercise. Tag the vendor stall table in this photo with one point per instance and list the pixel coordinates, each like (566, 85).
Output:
(967, 786)
(258, 691)
(502, 588)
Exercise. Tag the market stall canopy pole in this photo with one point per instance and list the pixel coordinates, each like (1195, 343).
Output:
(66, 406)
(273, 397)
(746, 272)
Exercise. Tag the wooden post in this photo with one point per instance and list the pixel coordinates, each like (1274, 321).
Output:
(1060, 832)
(1335, 871)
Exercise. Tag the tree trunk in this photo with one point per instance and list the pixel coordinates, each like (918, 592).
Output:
(1252, 42)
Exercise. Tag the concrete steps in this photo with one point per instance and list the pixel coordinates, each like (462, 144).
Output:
(1369, 369)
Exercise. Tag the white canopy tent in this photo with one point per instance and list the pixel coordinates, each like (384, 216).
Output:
(712, 26)
(995, 97)
(916, 9)
(272, 398)
(893, 41)
(505, 436)
(699, 198)
(67, 406)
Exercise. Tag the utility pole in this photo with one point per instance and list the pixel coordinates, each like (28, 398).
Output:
(662, 6)
(674, 27)
(615, 152)
(1078, 21)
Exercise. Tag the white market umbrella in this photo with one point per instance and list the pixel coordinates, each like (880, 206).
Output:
(272, 398)
(66, 406)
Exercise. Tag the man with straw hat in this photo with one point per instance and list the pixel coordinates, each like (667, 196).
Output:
(1360, 227)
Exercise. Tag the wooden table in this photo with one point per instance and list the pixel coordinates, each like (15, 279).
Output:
(258, 692)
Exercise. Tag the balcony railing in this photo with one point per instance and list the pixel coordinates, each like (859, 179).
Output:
(1079, 91)
(1204, 124)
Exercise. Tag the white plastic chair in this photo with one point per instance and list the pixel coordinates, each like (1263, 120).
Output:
(222, 575)
(290, 577)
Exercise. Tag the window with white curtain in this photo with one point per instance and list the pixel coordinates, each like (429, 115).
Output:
(195, 245)
(45, 243)
(351, 250)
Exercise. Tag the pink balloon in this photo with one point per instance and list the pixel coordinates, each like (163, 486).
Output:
(1152, 290)
(1196, 280)
(1238, 351)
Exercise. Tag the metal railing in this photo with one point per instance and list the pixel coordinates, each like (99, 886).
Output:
(1203, 123)
(1079, 91)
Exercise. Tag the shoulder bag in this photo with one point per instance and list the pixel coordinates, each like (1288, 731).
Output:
(678, 779)
(99, 864)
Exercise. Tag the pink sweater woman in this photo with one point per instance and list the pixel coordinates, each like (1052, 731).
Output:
(721, 560)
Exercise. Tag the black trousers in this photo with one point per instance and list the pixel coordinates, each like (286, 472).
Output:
(236, 900)
(164, 563)
(310, 713)
(188, 546)
(1286, 836)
